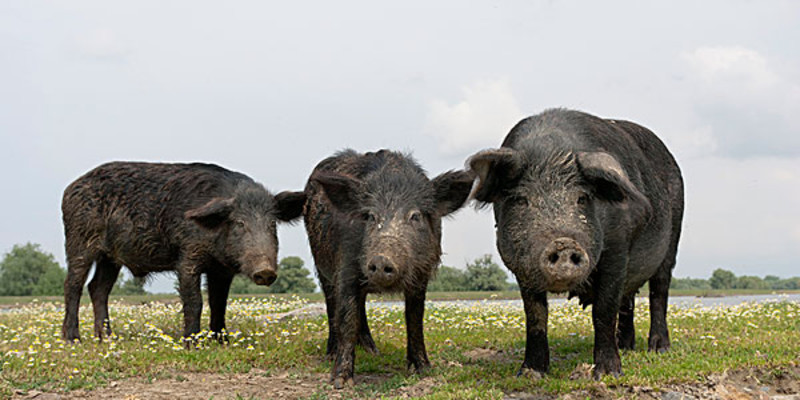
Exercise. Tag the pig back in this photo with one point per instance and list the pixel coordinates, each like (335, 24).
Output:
(133, 211)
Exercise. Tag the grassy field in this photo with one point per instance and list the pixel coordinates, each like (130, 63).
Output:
(475, 350)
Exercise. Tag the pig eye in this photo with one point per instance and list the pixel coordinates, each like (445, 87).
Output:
(583, 199)
(238, 223)
(369, 217)
(415, 216)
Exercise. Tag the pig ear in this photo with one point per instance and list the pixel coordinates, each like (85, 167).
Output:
(451, 190)
(610, 180)
(289, 205)
(211, 214)
(496, 170)
(341, 189)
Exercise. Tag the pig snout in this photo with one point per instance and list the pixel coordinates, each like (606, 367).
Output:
(380, 270)
(265, 277)
(565, 263)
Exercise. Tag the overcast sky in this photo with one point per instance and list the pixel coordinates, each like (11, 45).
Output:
(271, 88)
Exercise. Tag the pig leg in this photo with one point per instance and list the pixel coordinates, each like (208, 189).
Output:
(105, 274)
(330, 307)
(189, 290)
(626, 335)
(364, 336)
(659, 292)
(604, 318)
(219, 284)
(415, 347)
(79, 263)
(659, 287)
(537, 351)
(348, 294)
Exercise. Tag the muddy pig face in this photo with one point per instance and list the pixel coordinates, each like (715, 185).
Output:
(245, 229)
(553, 211)
(398, 213)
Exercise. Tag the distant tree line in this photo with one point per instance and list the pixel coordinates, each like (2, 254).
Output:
(27, 270)
(724, 279)
(482, 274)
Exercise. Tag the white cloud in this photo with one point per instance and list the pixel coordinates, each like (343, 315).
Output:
(747, 108)
(741, 65)
(482, 118)
(102, 44)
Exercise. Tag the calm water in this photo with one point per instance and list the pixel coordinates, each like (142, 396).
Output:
(731, 300)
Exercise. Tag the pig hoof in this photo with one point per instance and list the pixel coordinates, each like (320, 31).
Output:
(72, 337)
(371, 349)
(658, 345)
(419, 367)
(340, 383)
(219, 337)
(529, 373)
(660, 350)
(599, 372)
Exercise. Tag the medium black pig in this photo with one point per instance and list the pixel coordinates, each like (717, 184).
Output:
(190, 218)
(374, 225)
(588, 206)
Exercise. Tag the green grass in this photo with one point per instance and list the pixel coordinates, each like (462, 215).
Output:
(475, 350)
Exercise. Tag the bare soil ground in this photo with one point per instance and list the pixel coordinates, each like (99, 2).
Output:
(252, 385)
(781, 383)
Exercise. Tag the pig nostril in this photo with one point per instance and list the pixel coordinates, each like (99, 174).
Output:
(265, 278)
(553, 258)
(576, 258)
(388, 270)
(373, 268)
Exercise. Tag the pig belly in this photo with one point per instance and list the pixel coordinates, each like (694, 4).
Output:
(646, 256)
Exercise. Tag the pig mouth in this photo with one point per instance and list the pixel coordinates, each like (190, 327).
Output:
(561, 284)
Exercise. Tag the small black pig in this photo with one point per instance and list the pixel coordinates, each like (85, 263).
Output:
(189, 218)
(374, 225)
(588, 206)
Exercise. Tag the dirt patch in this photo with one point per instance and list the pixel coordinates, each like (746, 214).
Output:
(753, 383)
(253, 385)
(489, 355)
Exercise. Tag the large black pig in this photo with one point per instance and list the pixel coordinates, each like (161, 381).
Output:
(588, 206)
(190, 218)
(374, 225)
